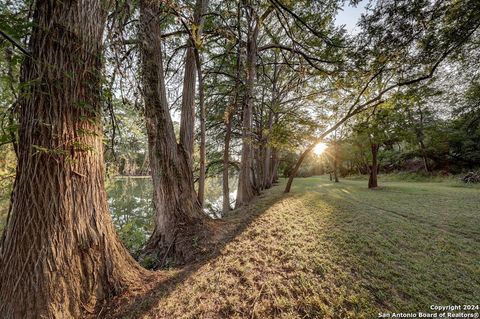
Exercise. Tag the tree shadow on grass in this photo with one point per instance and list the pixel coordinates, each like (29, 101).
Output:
(139, 300)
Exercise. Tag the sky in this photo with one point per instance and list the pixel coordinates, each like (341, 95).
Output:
(350, 16)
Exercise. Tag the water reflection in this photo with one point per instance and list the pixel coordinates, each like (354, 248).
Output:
(214, 195)
(130, 201)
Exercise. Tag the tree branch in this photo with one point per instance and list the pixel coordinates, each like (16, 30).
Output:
(307, 57)
(15, 43)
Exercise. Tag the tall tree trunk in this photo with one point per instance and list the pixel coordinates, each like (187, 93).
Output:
(187, 121)
(372, 181)
(226, 163)
(275, 159)
(260, 145)
(60, 255)
(179, 220)
(203, 151)
(259, 160)
(272, 117)
(246, 190)
(229, 113)
(268, 154)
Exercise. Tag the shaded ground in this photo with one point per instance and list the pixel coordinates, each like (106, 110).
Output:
(328, 251)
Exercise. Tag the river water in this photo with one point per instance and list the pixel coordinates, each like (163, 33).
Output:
(130, 201)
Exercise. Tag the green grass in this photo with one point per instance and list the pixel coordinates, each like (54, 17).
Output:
(452, 180)
(333, 251)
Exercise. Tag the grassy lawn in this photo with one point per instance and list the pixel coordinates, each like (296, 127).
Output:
(333, 251)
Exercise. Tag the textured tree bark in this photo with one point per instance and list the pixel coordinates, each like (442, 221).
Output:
(60, 255)
(246, 190)
(226, 163)
(187, 121)
(179, 222)
(229, 113)
(372, 181)
(203, 151)
(246, 179)
(269, 166)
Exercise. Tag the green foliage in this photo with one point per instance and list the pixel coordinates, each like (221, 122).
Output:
(132, 211)
(410, 127)
(125, 140)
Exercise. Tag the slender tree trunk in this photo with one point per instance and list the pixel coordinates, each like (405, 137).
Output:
(372, 181)
(246, 190)
(268, 154)
(296, 167)
(275, 160)
(275, 163)
(179, 221)
(188, 105)
(226, 162)
(187, 121)
(203, 152)
(60, 254)
(420, 136)
(258, 173)
(267, 167)
(272, 117)
(229, 113)
(424, 156)
(335, 160)
(260, 145)
(419, 133)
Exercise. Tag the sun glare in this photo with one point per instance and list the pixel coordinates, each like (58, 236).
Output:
(320, 148)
